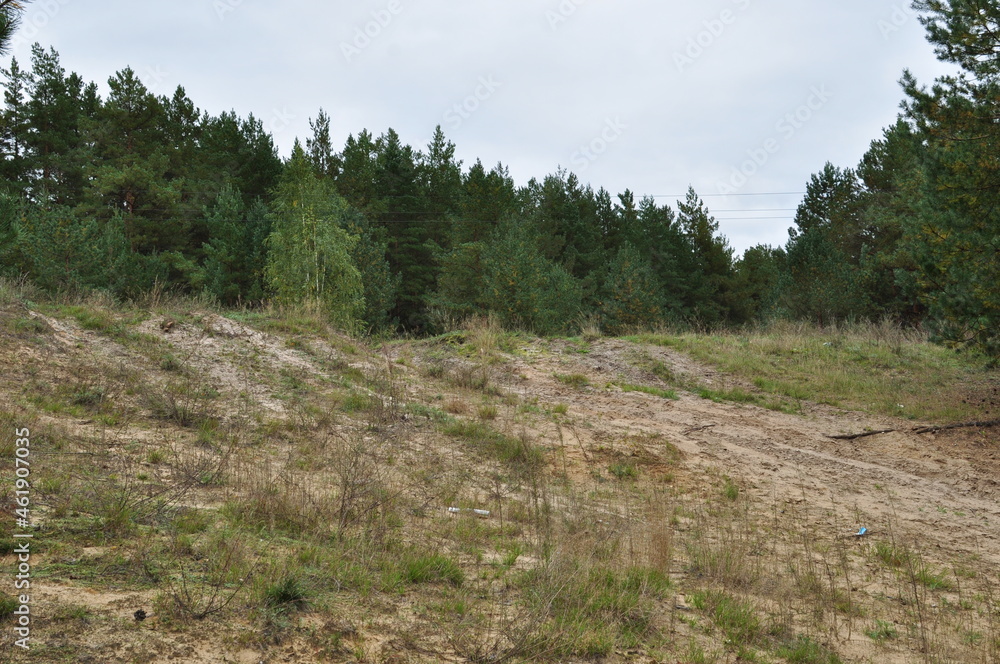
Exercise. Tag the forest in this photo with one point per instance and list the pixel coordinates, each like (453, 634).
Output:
(133, 191)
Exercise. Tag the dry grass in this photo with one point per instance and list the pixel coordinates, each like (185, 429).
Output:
(876, 368)
(305, 507)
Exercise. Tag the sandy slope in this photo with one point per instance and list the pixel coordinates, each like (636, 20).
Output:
(938, 490)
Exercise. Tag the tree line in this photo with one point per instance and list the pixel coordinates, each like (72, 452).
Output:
(135, 189)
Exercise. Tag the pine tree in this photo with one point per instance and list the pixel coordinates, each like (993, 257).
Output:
(132, 173)
(957, 230)
(52, 115)
(825, 249)
(631, 296)
(758, 282)
(63, 251)
(324, 161)
(240, 152)
(10, 20)
(485, 199)
(14, 128)
(890, 171)
(401, 210)
(708, 293)
(524, 288)
(356, 182)
(236, 252)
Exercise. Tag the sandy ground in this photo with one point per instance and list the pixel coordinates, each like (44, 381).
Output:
(941, 486)
(940, 489)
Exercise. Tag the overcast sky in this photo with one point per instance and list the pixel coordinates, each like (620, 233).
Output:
(746, 97)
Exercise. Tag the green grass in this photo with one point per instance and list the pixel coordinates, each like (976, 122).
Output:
(804, 650)
(731, 491)
(358, 402)
(892, 555)
(576, 381)
(517, 452)
(24, 326)
(871, 368)
(592, 611)
(737, 618)
(882, 631)
(433, 568)
(933, 580)
(645, 389)
(288, 592)
(8, 605)
(624, 471)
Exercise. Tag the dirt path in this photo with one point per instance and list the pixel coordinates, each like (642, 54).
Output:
(942, 488)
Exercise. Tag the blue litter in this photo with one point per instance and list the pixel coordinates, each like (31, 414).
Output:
(861, 533)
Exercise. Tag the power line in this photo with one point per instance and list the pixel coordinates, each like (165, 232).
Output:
(761, 193)
(754, 218)
(760, 210)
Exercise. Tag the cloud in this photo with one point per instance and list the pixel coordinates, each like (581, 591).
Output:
(564, 68)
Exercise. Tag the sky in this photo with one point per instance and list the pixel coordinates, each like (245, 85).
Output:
(741, 99)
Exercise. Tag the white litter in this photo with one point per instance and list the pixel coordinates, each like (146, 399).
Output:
(483, 513)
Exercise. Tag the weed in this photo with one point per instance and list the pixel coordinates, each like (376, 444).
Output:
(891, 554)
(515, 451)
(8, 605)
(472, 377)
(730, 491)
(933, 580)
(882, 631)
(356, 402)
(645, 389)
(487, 412)
(696, 654)
(434, 370)
(624, 471)
(288, 593)
(866, 367)
(737, 618)
(457, 407)
(170, 363)
(209, 588)
(804, 650)
(91, 318)
(435, 568)
(25, 326)
(576, 381)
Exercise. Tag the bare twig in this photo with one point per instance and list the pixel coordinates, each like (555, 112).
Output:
(855, 436)
(931, 429)
(963, 425)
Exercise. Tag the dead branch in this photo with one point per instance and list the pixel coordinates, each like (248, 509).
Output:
(964, 425)
(932, 429)
(864, 434)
